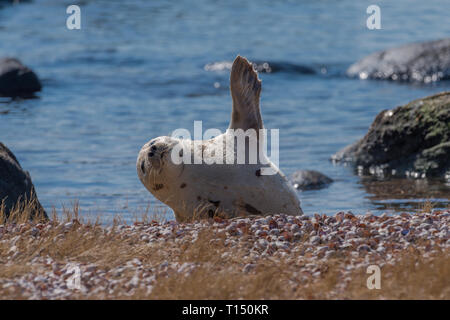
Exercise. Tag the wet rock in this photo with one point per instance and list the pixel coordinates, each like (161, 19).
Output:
(423, 62)
(411, 140)
(15, 185)
(279, 66)
(13, 1)
(5, 2)
(263, 66)
(17, 80)
(309, 179)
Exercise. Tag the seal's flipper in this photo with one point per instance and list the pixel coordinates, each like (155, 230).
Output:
(245, 89)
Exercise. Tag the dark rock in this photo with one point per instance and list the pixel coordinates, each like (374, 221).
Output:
(286, 67)
(422, 62)
(16, 80)
(5, 2)
(309, 179)
(263, 66)
(411, 140)
(16, 186)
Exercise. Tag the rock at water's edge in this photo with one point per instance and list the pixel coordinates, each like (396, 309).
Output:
(413, 139)
(263, 66)
(16, 185)
(309, 179)
(417, 62)
(17, 80)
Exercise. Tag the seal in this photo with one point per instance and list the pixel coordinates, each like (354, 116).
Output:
(220, 185)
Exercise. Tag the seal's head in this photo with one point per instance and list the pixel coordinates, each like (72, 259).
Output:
(154, 161)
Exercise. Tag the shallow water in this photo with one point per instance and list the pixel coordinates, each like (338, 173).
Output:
(136, 71)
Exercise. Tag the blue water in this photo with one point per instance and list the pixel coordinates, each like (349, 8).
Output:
(136, 71)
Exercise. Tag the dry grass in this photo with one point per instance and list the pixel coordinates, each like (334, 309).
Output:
(412, 278)
(426, 206)
(24, 210)
(219, 269)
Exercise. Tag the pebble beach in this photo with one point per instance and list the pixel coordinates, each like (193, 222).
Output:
(175, 260)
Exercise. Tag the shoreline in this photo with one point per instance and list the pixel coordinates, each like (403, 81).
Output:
(273, 257)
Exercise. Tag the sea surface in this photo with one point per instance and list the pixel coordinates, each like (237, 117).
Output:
(136, 70)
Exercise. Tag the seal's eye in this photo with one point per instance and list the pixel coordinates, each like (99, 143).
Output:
(153, 148)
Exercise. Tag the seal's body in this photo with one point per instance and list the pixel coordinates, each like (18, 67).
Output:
(228, 188)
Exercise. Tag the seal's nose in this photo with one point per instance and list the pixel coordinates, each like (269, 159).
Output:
(151, 153)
